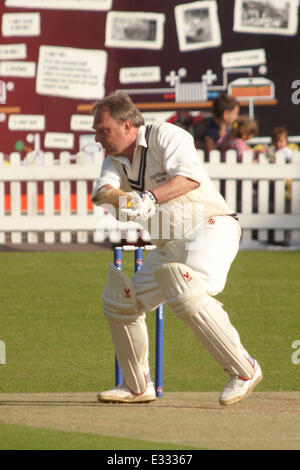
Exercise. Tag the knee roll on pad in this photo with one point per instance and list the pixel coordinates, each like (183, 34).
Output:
(187, 297)
(128, 329)
(119, 297)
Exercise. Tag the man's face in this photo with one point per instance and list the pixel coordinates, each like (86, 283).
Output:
(111, 134)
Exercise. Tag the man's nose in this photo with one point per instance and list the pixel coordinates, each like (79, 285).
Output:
(98, 138)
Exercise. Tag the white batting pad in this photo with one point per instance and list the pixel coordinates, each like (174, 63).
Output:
(119, 297)
(128, 329)
(205, 316)
(131, 348)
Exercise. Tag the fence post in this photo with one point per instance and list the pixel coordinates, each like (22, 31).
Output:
(81, 199)
(15, 197)
(49, 195)
(2, 199)
(65, 197)
(32, 237)
(295, 199)
(279, 196)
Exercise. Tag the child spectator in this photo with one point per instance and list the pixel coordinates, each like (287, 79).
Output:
(280, 143)
(280, 137)
(243, 129)
(215, 135)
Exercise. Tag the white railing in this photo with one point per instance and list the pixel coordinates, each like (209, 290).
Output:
(50, 198)
(55, 198)
(265, 195)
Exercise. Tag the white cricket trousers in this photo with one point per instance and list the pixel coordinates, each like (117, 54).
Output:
(210, 256)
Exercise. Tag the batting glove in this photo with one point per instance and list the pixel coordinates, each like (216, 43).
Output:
(142, 206)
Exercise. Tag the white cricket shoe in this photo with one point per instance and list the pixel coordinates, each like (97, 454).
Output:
(236, 389)
(122, 394)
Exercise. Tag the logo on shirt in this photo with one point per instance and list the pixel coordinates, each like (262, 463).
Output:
(159, 177)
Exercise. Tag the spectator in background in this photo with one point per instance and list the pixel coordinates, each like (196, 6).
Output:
(279, 143)
(243, 129)
(184, 119)
(280, 137)
(216, 133)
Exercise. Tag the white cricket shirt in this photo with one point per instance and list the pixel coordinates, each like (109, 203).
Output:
(170, 151)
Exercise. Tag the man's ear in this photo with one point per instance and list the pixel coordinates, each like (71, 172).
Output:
(127, 126)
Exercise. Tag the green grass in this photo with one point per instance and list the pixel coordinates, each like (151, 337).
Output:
(14, 437)
(57, 339)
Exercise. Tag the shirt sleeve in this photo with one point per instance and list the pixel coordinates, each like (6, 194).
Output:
(109, 175)
(179, 152)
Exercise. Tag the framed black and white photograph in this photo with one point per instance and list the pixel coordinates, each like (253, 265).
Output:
(197, 25)
(266, 16)
(141, 30)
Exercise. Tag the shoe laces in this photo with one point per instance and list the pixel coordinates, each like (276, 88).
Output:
(233, 381)
(122, 387)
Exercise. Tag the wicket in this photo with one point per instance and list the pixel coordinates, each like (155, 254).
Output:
(159, 343)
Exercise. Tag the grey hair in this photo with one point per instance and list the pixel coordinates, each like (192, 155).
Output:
(120, 107)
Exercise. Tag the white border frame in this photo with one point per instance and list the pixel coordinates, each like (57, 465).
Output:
(212, 7)
(157, 43)
(291, 29)
(92, 5)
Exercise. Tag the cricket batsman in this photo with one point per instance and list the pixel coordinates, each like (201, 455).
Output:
(156, 170)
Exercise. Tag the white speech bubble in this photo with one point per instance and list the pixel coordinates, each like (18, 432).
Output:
(244, 58)
(98, 5)
(140, 75)
(81, 122)
(21, 24)
(26, 122)
(13, 51)
(17, 69)
(157, 117)
(71, 72)
(59, 140)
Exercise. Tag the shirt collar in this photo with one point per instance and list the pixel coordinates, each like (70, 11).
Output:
(140, 141)
(141, 137)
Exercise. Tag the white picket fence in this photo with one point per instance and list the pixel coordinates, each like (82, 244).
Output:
(48, 199)
(265, 195)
